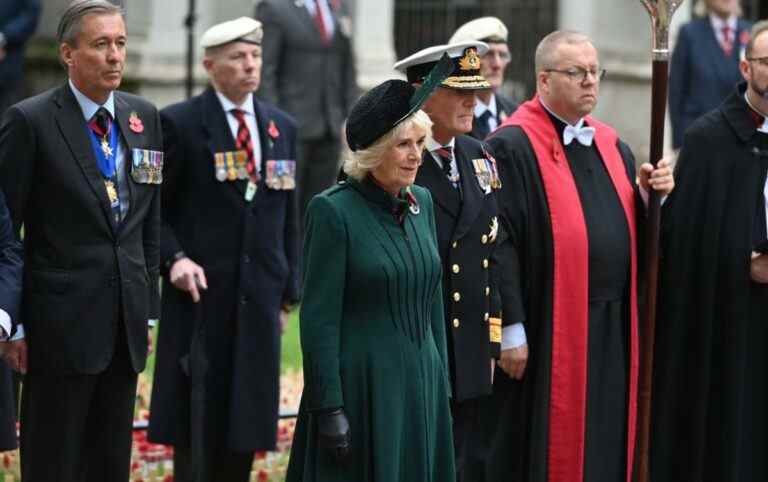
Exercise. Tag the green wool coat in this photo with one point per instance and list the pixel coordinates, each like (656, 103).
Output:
(373, 339)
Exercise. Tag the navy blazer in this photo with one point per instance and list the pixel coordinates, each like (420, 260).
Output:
(18, 20)
(701, 76)
(10, 264)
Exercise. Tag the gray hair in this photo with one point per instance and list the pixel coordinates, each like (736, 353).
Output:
(545, 52)
(368, 159)
(757, 29)
(71, 20)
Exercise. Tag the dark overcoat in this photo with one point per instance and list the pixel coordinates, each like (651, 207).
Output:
(467, 227)
(249, 253)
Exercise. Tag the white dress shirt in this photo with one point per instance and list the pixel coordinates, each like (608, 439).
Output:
(480, 109)
(250, 121)
(718, 24)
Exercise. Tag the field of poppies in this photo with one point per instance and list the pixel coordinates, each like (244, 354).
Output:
(154, 463)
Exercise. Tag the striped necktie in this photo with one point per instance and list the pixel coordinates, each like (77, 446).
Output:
(244, 143)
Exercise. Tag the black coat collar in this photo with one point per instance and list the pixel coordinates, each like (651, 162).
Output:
(736, 112)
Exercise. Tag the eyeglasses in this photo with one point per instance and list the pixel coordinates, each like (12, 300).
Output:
(580, 75)
(763, 61)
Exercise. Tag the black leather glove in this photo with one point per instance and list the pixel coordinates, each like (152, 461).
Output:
(333, 434)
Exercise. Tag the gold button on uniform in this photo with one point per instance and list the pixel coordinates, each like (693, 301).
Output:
(455, 244)
(457, 296)
(485, 263)
(456, 323)
(484, 239)
(487, 291)
(456, 269)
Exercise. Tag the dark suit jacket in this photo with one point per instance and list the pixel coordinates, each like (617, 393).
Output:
(18, 20)
(249, 254)
(701, 76)
(84, 277)
(467, 252)
(313, 82)
(10, 296)
(504, 108)
(11, 264)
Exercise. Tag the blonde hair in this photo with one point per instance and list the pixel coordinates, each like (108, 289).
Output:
(365, 160)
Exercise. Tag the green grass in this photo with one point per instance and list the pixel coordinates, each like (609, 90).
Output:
(291, 351)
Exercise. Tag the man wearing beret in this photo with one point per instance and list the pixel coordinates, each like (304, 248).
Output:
(229, 258)
(463, 180)
(492, 107)
(80, 166)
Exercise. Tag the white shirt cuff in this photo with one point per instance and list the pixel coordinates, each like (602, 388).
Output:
(152, 322)
(5, 324)
(19, 333)
(513, 336)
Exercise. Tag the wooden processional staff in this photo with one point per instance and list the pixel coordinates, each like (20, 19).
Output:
(661, 12)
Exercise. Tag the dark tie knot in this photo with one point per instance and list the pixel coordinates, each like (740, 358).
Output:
(102, 120)
(239, 114)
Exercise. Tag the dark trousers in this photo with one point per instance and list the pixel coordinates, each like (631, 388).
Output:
(78, 428)
(469, 440)
(225, 466)
(316, 168)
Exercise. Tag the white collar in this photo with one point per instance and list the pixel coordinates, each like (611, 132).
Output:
(576, 125)
(228, 105)
(90, 107)
(480, 107)
(433, 145)
(718, 23)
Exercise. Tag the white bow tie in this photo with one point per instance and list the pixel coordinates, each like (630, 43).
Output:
(583, 134)
(764, 127)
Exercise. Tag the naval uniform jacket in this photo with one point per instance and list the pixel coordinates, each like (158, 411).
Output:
(249, 253)
(466, 241)
(85, 276)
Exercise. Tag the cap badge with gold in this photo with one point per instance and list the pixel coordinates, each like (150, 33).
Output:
(465, 57)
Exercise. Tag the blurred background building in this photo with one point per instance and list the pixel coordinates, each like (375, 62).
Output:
(386, 30)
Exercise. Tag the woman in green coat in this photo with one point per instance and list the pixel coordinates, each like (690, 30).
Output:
(375, 406)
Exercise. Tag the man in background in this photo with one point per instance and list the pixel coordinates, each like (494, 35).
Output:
(229, 254)
(492, 108)
(309, 71)
(705, 63)
(18, 20)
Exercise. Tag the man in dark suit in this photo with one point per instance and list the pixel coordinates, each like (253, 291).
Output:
(705, 64)
(11, 265)
(309, 70)
(80, 166)
(492, 107)
(462, 179)
(229, 251)
(18, 20)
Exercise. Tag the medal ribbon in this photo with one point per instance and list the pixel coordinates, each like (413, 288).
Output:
(103, 134)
